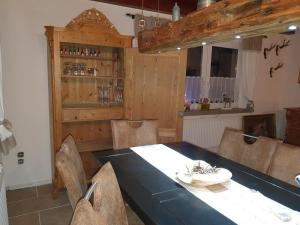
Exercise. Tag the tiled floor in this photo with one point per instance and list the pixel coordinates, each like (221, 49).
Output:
(35, 206)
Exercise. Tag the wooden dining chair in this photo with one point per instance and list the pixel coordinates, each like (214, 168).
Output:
(285, 164)
(108, 199)
(166, 135)
(85, 214)
(128, 133)
(258, 155)
(70, 168)
(232, 144)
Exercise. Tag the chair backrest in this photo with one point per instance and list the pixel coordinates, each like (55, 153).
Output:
(69, 166)
(285, 164)
(85, 214)
(258, 155)
(108, 199)
(232, 144)
(133, 133)
(166, 135)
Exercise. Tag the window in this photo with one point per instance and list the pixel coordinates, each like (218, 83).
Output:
(194, 58)
(212, 72)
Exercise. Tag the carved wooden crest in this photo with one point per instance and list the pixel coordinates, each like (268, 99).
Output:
(92, 16)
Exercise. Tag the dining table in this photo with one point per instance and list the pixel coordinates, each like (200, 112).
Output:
(147, 178)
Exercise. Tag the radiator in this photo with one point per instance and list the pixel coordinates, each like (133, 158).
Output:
(206, 131)
(3, 206)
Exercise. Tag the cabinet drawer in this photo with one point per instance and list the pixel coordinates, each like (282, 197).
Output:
(293, 124)
(293, 136)
(88, 114)
(293, 115)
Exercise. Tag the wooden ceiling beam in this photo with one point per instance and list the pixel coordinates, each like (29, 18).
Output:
(222, 21)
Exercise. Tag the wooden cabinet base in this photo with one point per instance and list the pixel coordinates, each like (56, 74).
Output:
(293, 126)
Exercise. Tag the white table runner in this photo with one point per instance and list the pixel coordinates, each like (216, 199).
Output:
(235, 201)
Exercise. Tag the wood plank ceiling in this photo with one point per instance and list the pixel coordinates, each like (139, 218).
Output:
(186, 6)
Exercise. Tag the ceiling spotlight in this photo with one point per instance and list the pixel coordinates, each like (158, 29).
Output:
(204, 43)
(292, 27)
(237, 37)
(178, 48)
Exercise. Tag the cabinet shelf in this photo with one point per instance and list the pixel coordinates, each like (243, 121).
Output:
(91, 77)
(88, 57)
(95, 145)
(84, 114)
(84, 105)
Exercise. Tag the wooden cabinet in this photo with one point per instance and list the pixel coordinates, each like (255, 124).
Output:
(95, 76)
(86, 82)
(293, 126)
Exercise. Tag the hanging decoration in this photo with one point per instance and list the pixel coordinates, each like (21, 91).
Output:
(273, 69)
(150, 23)
(267, 50)
(204, 3)
(157, 21)
(142, 21)
(283, 45)
(176, 12)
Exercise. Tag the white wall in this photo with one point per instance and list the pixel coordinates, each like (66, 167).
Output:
(281, 91)
(25, 79)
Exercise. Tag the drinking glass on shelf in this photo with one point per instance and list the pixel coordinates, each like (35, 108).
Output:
(67, 69)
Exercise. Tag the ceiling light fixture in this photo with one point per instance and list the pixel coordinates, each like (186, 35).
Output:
(292, 28)
(237, 37)
(178, 48)
(204, 43)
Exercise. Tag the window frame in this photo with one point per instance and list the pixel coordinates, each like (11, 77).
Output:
(206, 69)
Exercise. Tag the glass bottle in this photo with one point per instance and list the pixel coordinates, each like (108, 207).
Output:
(176, 12)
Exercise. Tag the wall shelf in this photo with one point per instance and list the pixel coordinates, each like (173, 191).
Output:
(91, 77)
(95, 145)
(88, 57)
(70, 115)
(87, 105)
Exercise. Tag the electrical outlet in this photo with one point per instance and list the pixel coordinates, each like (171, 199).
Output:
(20, 161)
(20, 154)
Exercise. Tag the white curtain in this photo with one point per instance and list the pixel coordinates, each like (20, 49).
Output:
(7, 139)
(249, 72)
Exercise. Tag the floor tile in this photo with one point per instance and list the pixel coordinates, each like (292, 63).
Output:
(28, 219)
(47, 189)
(36, 204)
(57, 216)
(20, 194)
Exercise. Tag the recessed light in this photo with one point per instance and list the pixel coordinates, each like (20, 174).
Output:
(204, 43)
(178, 48)
(292, 27)
(237, 37)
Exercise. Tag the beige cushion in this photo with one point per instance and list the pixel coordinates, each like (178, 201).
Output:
(85, 214)
(258, 155)
(285, 164)
(69, 166)
(107, 197)
(129, 134)
(232, 144)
